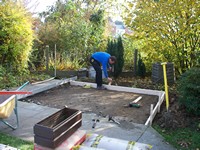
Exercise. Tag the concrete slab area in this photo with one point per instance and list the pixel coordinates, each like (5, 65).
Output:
(30, 114)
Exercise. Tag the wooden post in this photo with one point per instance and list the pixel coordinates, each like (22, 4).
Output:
(47, 57)
(55, 63)
(151, 114)
(135, 62)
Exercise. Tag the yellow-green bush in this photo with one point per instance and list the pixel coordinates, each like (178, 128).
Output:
(16, 35)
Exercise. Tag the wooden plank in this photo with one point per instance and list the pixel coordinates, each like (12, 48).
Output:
(137, 99)
(120, 88)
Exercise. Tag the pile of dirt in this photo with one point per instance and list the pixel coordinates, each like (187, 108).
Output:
(176, 116)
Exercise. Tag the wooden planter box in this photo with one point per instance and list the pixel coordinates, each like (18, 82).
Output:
(55, 129)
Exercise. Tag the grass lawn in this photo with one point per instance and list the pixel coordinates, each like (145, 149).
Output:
(182, 138)
(15, 142)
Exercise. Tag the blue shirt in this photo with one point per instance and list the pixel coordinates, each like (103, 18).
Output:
(103, 59)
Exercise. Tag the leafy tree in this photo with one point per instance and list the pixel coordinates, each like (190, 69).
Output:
(77, 31)
(98, 23)
(171, 36)
(16, 36)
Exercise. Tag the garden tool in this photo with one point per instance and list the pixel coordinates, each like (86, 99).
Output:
(95, 122)
(112, 119)
(134, 103)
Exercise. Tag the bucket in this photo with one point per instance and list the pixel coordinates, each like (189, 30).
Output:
(92, 72)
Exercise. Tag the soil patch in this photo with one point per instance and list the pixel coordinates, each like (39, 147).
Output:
(102, 102)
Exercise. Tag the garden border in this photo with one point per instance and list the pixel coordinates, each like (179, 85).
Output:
(153, 110)
(71, 81)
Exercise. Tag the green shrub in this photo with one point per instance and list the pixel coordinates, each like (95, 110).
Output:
(7, 79)
(141, 68)
(16, 35)
(189, 90)
(115, 48)
(11, 79)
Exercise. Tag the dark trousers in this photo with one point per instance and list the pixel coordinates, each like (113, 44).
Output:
(97, 68)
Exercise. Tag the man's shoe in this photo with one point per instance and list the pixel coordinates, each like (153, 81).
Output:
(101, 88)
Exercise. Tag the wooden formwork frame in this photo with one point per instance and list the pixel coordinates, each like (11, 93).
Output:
(153, 110)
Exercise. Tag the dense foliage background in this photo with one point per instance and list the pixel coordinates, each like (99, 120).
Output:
(16, 36)
(167, 31)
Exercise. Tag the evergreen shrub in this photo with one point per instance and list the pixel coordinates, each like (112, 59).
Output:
(115, 48)
(141, 68)
(189, 90)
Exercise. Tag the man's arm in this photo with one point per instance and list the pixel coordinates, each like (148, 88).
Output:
(106, 73)
(105, 70)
